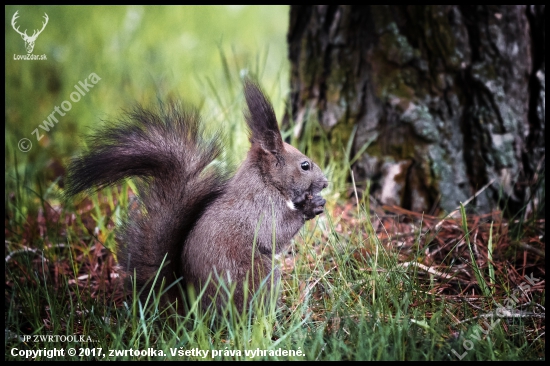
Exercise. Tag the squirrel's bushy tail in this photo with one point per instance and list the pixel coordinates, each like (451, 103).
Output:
(169, 152)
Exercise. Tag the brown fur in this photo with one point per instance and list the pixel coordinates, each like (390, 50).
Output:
(200, 218)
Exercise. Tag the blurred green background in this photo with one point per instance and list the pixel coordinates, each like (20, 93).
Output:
(198, 54)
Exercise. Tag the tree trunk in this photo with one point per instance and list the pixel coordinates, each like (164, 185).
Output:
(447, 98)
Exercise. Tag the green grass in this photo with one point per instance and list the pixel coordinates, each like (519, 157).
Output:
(345, 297)
(359, 283)
(141, 54)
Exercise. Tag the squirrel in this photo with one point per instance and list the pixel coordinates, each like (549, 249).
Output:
(205, 224)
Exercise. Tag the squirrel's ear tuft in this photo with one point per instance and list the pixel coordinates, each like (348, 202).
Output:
(261, 119)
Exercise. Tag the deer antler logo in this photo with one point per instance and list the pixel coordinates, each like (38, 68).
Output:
(29, 41)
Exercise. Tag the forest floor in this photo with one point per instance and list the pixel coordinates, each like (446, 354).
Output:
(453, 275)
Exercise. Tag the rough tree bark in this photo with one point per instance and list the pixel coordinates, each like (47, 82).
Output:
(450, 98)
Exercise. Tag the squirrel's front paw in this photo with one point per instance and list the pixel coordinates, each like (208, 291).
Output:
(313, 206)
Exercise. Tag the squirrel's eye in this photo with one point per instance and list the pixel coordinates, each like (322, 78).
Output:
(305, 165)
